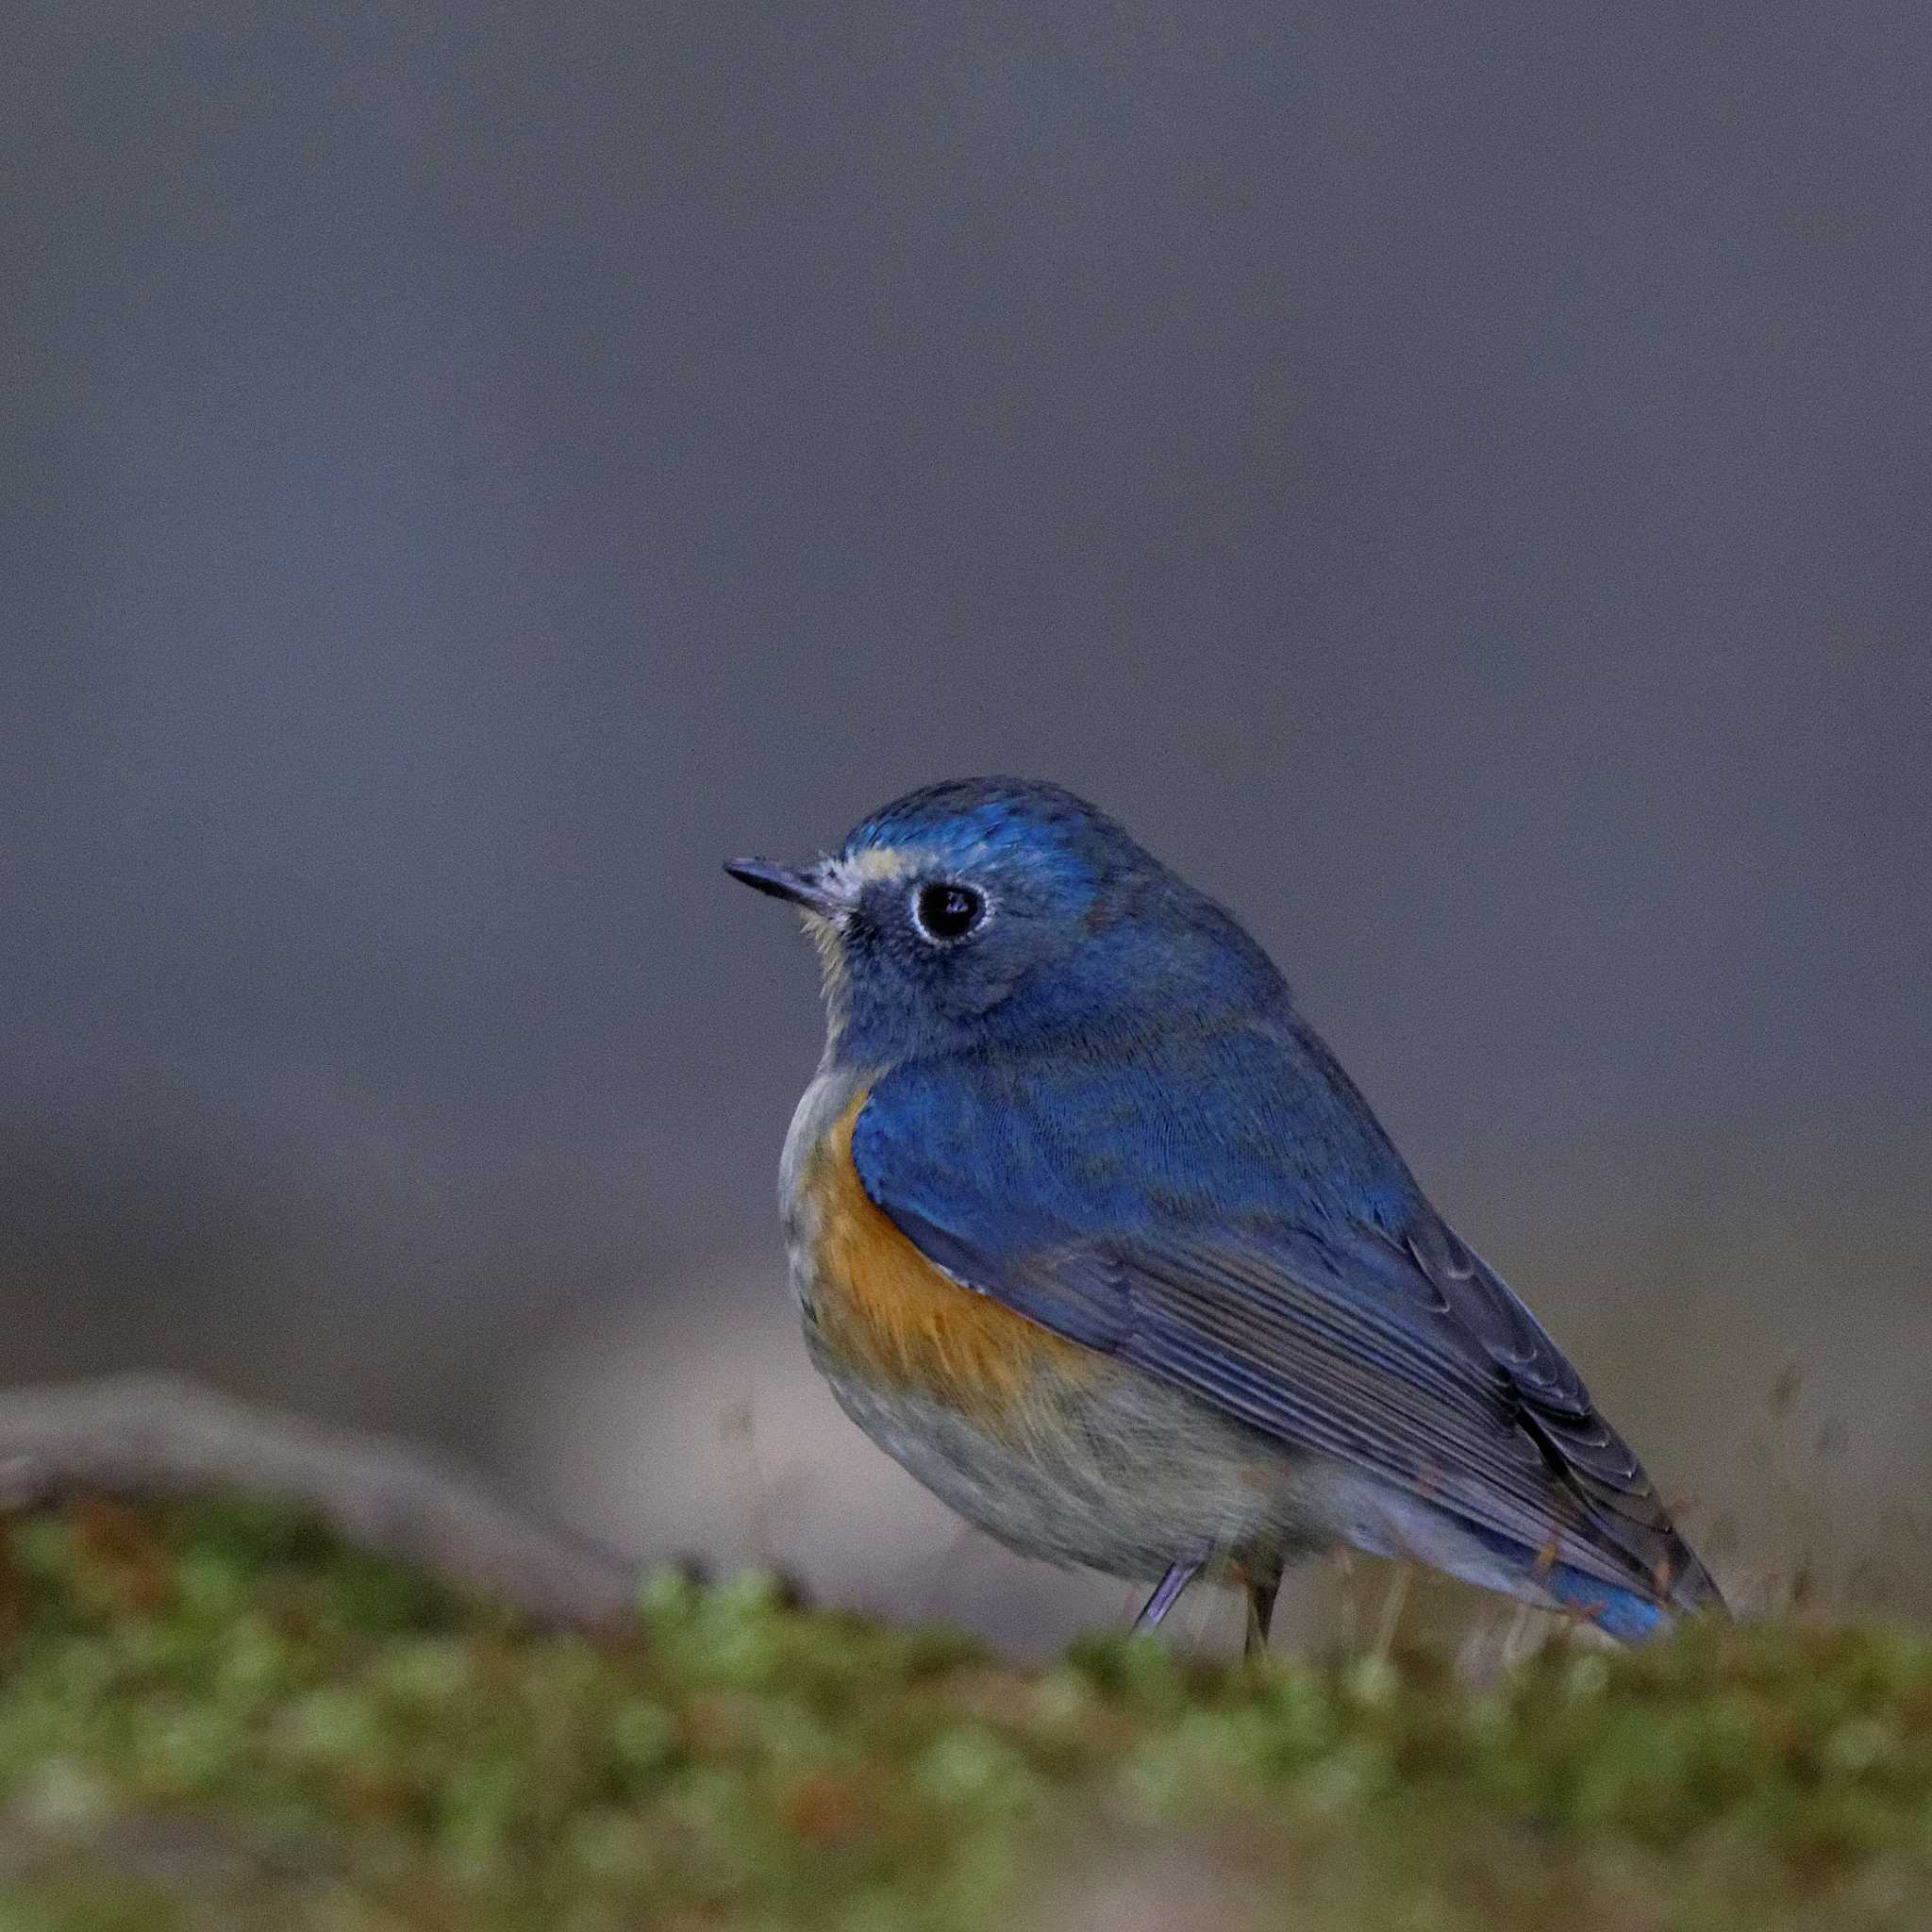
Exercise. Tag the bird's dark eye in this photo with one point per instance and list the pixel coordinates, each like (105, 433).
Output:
(945, 912)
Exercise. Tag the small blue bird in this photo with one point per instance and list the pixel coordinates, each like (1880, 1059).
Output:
(1093, 1233)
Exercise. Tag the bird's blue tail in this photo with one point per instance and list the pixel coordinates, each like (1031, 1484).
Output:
(1618, 1613)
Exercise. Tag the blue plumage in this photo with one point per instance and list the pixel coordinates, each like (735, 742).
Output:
(1087, 1095)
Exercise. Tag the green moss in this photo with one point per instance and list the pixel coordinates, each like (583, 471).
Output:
(215, 1716)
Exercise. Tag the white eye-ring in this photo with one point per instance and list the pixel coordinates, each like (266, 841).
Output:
(944, 912)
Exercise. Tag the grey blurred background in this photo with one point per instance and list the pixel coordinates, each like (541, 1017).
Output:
(1456, 480)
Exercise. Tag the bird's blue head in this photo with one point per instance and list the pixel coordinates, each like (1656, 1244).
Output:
(988, 913)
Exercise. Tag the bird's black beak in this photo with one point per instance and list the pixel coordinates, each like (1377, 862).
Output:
(801, 885)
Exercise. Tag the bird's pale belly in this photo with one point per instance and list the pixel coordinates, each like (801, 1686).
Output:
(1047, 1445)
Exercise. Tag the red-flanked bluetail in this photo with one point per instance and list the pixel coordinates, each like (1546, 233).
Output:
(1090, 1231)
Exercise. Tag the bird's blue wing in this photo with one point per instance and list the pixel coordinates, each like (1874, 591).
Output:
(1224, 1214)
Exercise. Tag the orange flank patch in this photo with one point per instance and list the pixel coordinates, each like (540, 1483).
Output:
(885, 1309)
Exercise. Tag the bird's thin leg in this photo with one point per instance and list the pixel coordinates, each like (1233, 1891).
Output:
(1166, 1595)
(1260, 1613)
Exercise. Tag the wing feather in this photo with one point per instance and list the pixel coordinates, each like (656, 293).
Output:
(1398, 1352)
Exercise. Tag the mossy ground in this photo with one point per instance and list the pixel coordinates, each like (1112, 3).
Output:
(215, 1716)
